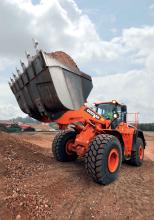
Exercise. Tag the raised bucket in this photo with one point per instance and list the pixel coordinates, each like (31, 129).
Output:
(51, 85)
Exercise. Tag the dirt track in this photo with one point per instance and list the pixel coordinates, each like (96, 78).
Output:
(34, 186)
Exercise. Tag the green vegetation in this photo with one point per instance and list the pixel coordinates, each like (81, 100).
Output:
(54, 125)
(26, 120)
(10, 128)
(146, 126)
(29, 120)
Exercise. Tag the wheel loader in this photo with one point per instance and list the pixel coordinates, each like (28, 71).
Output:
(51, 88)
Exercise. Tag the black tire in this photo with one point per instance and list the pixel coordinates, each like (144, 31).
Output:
(135, 157)
(96, 159)
(59, 146)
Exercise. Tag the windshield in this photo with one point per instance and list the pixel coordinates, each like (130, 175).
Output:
(107, 110)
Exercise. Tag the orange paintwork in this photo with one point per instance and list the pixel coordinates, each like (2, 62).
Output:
(83, 139)
(92, 124)
(69, 146)
(127, 134)
(141, 152)
(113, 160)
(78, 116)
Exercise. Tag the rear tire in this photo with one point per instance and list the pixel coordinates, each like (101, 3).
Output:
(59, 146)
(103, 159)
(138, 155)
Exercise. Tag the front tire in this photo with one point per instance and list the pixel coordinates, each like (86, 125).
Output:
(103, 159)
(59, 146)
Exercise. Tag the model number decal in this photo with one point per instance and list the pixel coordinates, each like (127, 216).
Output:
(89, 111)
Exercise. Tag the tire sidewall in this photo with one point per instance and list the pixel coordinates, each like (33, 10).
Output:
(66, 138)
(139, 143)
(96, 159)
(114, 144)
(59, 146)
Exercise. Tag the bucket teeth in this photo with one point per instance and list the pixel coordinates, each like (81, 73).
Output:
(29, 58)
(23, 65)
(36, 45)
(12, 80)
(18, 72)
(49, 85)
(15, 77)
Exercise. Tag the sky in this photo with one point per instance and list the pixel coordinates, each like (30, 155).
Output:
(113, 41)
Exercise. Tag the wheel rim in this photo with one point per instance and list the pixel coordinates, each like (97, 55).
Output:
(113, 160)
(69, 147)
(141, 152)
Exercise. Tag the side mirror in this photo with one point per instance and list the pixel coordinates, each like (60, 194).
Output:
(115, 115)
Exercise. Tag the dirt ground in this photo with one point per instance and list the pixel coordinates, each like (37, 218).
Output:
(35, 186)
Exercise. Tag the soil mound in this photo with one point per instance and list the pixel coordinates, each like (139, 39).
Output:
(35, 186)
(65, 59)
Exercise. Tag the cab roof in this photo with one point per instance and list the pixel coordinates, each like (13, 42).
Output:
(110, 102)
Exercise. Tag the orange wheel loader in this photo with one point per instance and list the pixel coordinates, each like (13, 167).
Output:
(51, 88)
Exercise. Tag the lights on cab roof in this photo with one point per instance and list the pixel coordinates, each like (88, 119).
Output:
(114, 101)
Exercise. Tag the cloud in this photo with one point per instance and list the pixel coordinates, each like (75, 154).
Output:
(3, 63)
(122, 67)
(134, 88)
(8, 103)
(10, 111)
(151, 7)
(61, 25)
(58, 24)
(54, 22)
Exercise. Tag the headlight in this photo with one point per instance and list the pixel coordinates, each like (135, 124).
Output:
(114, 101)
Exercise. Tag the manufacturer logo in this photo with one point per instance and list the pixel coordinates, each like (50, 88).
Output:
(93, 114)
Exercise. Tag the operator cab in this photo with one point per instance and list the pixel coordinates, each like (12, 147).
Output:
(109, 109)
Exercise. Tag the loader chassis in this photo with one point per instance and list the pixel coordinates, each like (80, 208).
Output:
(103, 148)
(53, 89)
(92, 125)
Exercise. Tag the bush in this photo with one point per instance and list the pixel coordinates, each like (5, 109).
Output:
(146, 126)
